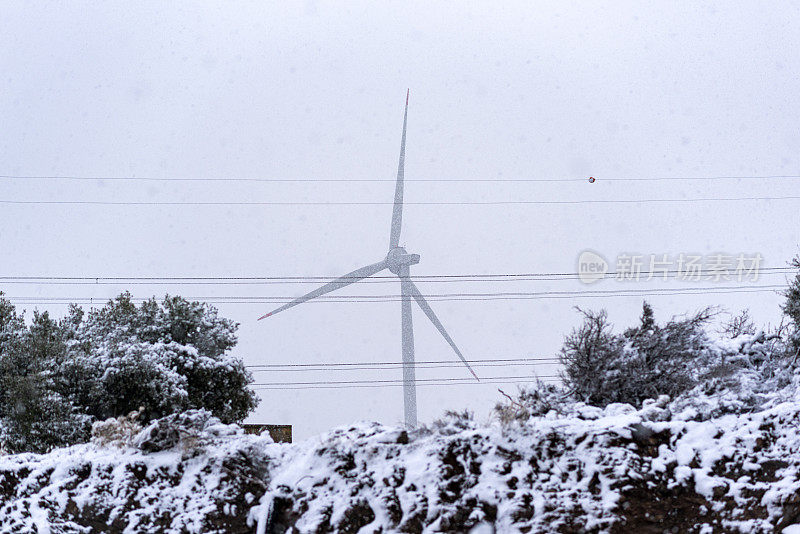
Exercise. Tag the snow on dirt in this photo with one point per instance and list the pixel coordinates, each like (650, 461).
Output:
(708, 461)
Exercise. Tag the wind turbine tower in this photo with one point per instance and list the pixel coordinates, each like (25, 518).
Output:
(398, 262)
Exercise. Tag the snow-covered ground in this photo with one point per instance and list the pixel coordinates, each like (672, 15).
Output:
(725, 457)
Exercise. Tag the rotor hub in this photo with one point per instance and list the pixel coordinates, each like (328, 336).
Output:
(398, 260)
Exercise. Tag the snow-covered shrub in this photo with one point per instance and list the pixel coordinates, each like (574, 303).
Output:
(190, 431)
(741, 373)
(791, 306)
(34, 416)
(536, 400)
(168, 356)
(58, 377)
(452, 422)
(646, 361)
(587, 354)
(118, 431)
(739, 324)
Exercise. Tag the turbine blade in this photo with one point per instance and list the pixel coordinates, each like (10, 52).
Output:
(397, 212)
(412, 288)
(342, 281)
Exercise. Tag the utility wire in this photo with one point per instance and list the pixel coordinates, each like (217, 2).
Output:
(644, 277)
(470, 382)
(441, 296)
(366, 367)
(317, 278)
(322, 300)
(383, 203)
(454, 365)
(392, 363)
(392, 180)
(101, 300)
(419, 380)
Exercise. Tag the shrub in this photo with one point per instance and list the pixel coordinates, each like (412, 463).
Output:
(791, 306)
(156, 359)
(534, 401)
(119, 431)
(646, 361)
(452, 422)
(739, 325)
(167, 357)
(188, 431)
(33, 415)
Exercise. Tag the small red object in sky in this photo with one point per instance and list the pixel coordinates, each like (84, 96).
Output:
(591, 179)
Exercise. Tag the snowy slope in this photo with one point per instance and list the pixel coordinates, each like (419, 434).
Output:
(706, 462)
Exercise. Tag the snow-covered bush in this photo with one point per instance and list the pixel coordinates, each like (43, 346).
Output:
(791, 306)
(189, 431)
(159, 358)
(34, 416)
(167, 357)
(646, 361)
(743, 374)
(536, 400)
(739, 324)
(119, 431)
(452, 422)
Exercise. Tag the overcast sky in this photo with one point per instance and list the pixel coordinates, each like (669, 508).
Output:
(316, 91)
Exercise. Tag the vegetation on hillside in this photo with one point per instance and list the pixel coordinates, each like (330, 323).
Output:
(58, 377)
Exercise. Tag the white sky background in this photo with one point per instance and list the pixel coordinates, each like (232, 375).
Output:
(315, 91)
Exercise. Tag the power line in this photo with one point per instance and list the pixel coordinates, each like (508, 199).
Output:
(318, 278)
(470, 382)
(391, 180)
(453, 365)
(383, 298)
(313, 280)
(419, 381)
(393, 363)
(98, 300)
(698, 178)
(366, 366)
(488, 297)
(383, 203)
(399, 382)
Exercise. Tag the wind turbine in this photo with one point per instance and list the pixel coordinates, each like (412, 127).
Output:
(397, 261)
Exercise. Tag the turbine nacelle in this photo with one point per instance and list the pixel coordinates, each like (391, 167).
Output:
(398, 260)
